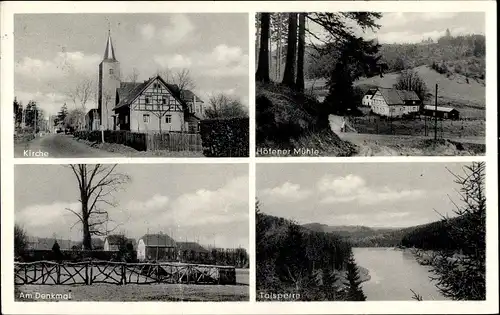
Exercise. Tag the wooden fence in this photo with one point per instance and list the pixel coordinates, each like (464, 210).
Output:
(173, 141)
(52, 273)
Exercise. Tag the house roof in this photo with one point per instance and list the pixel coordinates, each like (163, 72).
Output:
(192, 246)
(158, 240)
(397, 97)
(371, 92)
(439, 108)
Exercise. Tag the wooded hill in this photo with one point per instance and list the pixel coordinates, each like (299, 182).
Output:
(435, 235)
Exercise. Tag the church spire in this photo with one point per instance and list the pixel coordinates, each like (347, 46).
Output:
(110, 52)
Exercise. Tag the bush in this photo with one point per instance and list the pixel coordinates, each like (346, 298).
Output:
(225, 137)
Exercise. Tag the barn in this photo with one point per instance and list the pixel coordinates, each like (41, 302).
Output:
(156, 247)
(441, 112)
(112, 242)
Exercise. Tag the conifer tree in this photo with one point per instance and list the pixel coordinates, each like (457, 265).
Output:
(354, 291)
(462, 276)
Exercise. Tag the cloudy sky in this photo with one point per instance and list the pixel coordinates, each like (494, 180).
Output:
(413, 27)
(388, 195)
(53, 52)
(186, 201)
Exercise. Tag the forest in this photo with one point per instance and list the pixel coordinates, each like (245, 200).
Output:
(293, 259)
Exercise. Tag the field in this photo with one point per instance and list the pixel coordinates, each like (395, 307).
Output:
(144, 292)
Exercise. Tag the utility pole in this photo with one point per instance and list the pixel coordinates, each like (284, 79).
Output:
(435, 113)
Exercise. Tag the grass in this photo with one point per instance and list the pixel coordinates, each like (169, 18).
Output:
(145, 292)
(446, 128)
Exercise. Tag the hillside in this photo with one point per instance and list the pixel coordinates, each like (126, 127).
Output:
(452, 89)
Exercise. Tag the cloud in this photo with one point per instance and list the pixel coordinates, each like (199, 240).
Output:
(172, 61)
(156, 203)
(222, 61)
(50, 102)
(178, 29)
(287, 192)
(340, 185)
(63, 64)
(353, 188)
(226, 204)
(147, 31)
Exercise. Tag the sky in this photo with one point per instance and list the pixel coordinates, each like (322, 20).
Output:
(382, 195)
(205, 202)
(413, 27)
(54, 52)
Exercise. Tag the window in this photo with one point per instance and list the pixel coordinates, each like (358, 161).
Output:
(126, 119)
(168, 119)
(111, 71)
(145, 118)
(163, 100)
(147, 100)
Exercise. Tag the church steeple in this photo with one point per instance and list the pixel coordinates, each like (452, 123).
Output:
(110, 51)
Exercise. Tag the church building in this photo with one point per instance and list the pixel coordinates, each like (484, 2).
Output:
(150, 106)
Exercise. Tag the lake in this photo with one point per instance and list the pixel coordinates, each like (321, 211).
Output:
(393, 273)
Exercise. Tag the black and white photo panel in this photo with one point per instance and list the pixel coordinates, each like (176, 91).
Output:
(131, 232)
(131, 85)
(370, 84)
(355, 232)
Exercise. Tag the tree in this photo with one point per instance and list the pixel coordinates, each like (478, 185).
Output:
(20, 241)
(262, 73)
(291, 52)
(18, 113)
(81, 94)
(354, 291)
(279, 22)
(96, 185)
(133, 76)
(34, 116)
(463, 276)
(301, 52)
(224, 106)
(356, 57)
(409, 80)
(61, 115)
(74, 118)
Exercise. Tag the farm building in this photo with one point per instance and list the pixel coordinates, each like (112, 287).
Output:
(156, 247)
(395, 103)
(191, 250)
(148, 106)
(367, 98)
(441, 112)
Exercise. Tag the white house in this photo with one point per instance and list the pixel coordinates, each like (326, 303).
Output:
(394, 103)
(367, 98)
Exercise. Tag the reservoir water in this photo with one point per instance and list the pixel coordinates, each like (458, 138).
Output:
(394, 273)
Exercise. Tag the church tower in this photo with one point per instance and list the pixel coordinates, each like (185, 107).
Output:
(109, 82)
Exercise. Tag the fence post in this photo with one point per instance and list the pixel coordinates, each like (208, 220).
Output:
(58, 272)
(86, 273)
(91, 272)
(124, 278)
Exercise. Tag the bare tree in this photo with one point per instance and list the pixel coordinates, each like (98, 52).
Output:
(409, 80)
(81, 94)
(182, 78)
(134, 76)
(96, 184)
(224, 106)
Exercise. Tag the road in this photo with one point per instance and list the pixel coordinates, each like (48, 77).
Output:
(58, 146)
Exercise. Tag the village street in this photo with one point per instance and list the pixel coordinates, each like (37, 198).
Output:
(360, 138)
(58, 146)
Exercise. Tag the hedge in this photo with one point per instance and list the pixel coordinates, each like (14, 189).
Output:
(75, 255)
(134, 140)
(225, 137)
